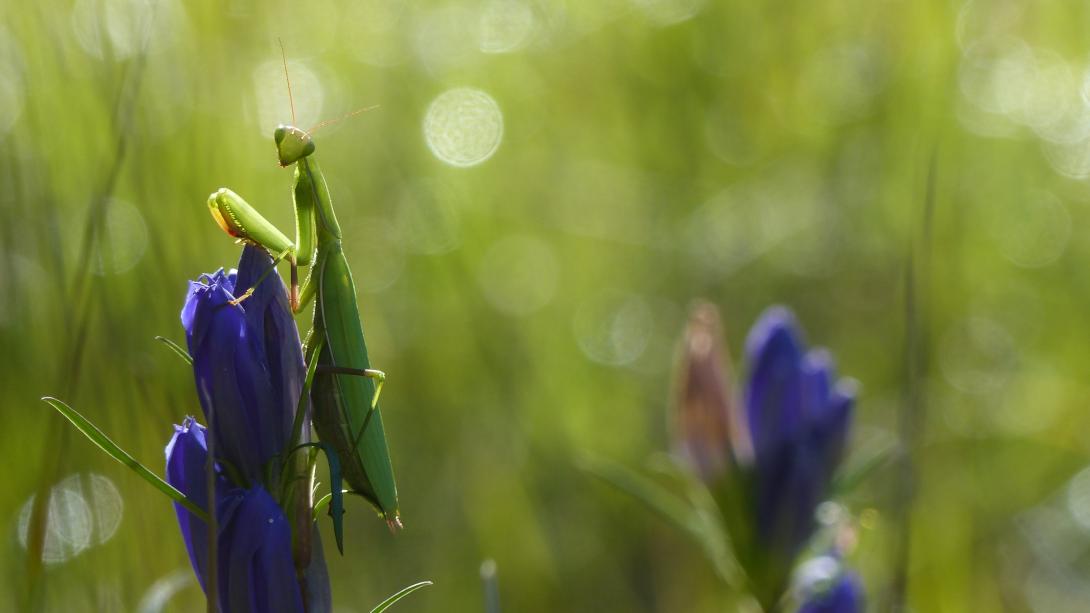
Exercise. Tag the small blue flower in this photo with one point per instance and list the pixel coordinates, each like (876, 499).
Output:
(247, 362)
(798, 416)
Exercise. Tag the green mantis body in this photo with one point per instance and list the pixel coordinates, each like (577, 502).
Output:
(344, 390)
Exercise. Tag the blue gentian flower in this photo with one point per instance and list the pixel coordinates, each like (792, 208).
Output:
(248, 366)
(798, 416)
(247, 361)
(256, 571)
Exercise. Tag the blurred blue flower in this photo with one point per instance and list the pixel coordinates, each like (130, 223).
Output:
(843, 595)
(798, 416)
(248, 364)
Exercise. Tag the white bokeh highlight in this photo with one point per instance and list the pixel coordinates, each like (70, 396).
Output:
(613, 328)
(121, 242)
(463, 127)
(505, 26)
(273, 105)
(83, 510)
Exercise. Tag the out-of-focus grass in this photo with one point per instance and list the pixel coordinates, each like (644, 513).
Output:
(526, 308)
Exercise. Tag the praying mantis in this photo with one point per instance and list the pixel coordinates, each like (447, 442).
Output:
(343, 388)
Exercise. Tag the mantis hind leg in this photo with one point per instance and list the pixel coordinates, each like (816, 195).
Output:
(371, 373)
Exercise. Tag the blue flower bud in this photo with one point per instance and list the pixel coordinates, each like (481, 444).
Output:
(256, 570)
(798, 416)
(247, 362)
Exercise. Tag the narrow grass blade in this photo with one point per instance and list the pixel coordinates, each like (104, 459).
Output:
(657, 498)
(99, 438)
(695, 515)
(176, 348)
(709, 529)
(386, 604)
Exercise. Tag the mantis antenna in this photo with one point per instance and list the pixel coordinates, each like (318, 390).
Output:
(327, 122)
(291, 99)
(287, 79)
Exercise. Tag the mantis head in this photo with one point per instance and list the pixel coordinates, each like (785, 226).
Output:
(292, 144)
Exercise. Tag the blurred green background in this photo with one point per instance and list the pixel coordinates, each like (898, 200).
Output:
(526, 252)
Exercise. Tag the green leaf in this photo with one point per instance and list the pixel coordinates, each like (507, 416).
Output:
(99, 438)
(176, 348)
(696, 515)
(386, 604)
(710, 531)
(657, 498)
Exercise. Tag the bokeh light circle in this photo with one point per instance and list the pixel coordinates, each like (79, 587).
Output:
(68, 525)
(613, 328)
(121, 241)
(274, 106)
(463, 127)
(505, 26)
(83, 510)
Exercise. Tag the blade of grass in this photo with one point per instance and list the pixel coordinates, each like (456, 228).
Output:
(657, 498)
(176, 348)
(695, 516)
(99, 438)
(386, 604)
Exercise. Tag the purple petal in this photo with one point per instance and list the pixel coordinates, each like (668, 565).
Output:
(773, 394)
(830, 434)
(257, 574)
(272, 328)
(187, 454)
(799, 419)
(247, 362)
(233, 389)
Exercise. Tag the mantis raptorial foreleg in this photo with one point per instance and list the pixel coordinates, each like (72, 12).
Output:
(237, 218)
